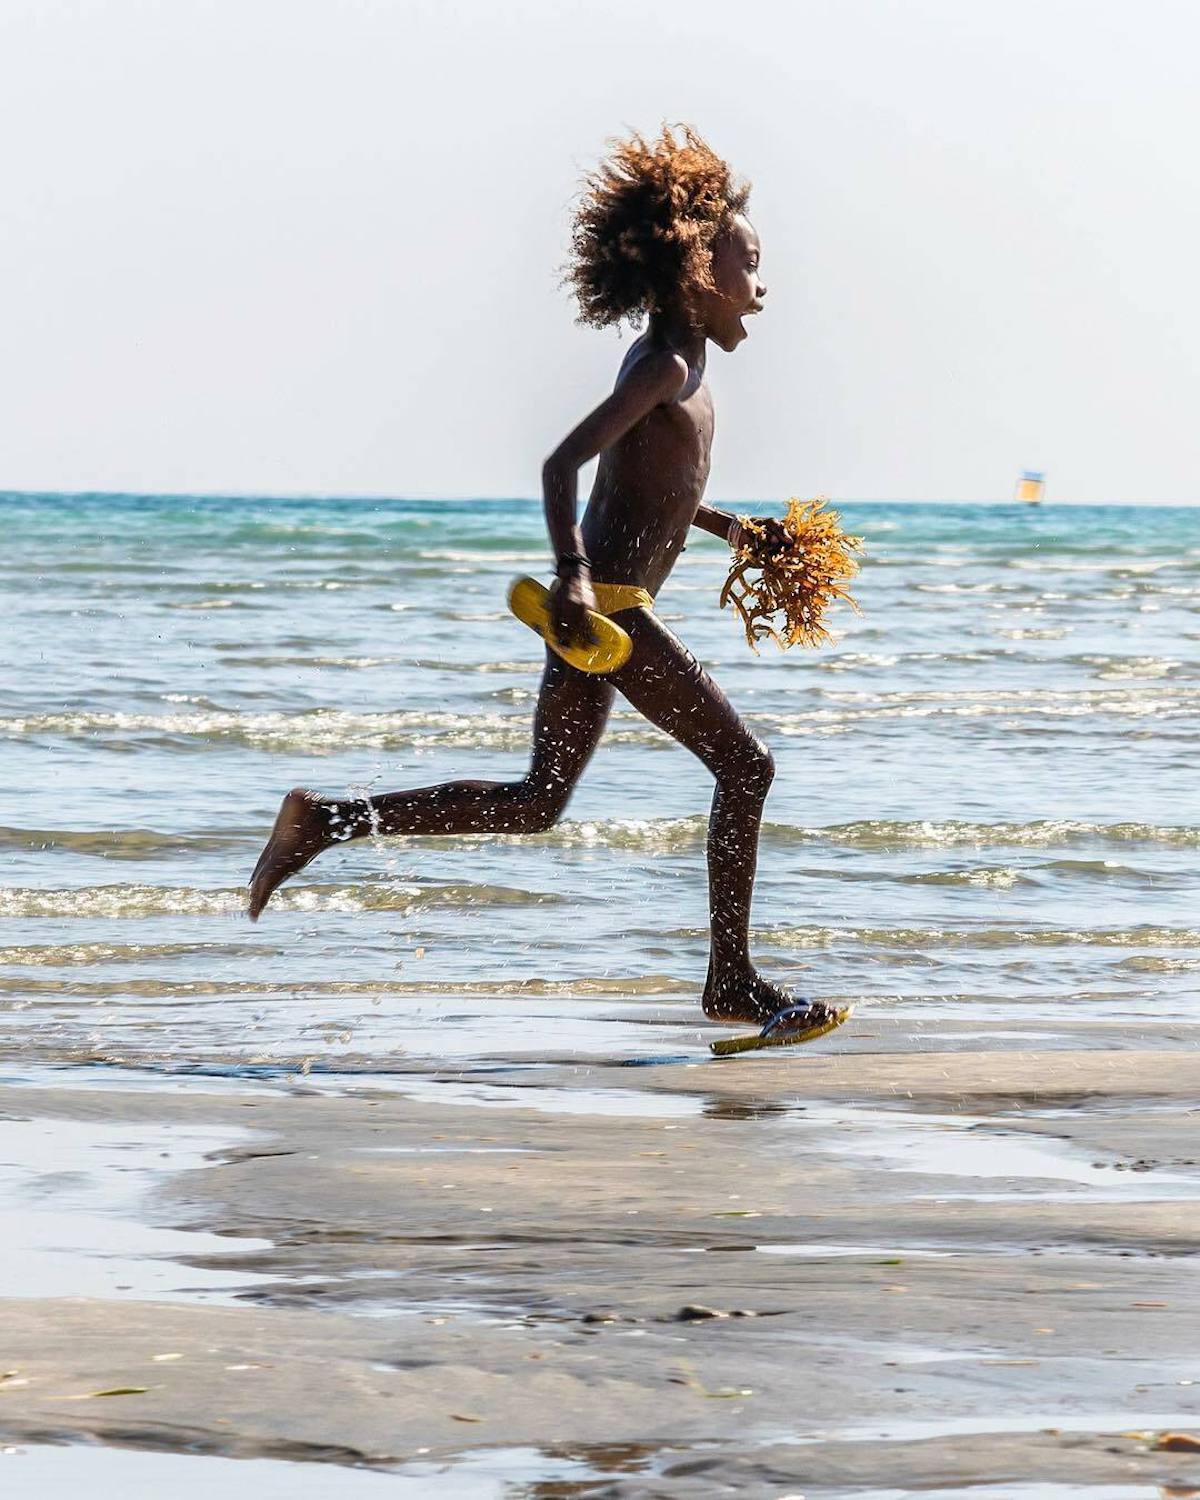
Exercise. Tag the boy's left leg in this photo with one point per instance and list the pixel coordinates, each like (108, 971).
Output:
(665, 682)
(571, 712)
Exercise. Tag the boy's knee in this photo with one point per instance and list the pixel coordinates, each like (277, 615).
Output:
(538, 808)
(764, 766)
(752, 769)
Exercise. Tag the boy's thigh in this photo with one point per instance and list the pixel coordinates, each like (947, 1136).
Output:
(572, 710)
(664, 681)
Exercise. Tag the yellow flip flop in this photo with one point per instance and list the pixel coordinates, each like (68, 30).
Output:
(530, 602)
(776, 1032)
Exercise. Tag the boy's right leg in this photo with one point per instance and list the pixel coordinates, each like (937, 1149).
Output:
(664, 681)
(571, 712)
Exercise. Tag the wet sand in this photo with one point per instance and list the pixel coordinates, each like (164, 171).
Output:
(940, 1259)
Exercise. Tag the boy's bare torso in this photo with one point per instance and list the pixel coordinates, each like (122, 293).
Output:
(650, 483)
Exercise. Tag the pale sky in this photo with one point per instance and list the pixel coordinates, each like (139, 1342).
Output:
(312, 246)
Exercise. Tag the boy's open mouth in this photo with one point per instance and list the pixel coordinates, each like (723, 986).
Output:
(749, 313)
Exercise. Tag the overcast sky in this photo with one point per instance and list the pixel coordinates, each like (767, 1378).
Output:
(313, 246)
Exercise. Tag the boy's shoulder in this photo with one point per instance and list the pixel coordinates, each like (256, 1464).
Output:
(658, 371)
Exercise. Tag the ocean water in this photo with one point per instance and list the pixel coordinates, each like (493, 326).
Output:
(986, 803)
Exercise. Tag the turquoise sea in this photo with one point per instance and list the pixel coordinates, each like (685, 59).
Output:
(986, 804)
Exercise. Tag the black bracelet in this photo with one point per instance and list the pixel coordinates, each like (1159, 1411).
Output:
(577, 559)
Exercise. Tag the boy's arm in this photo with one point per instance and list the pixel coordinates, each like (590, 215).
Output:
(717, 523)
(731, 530)
(653, 380)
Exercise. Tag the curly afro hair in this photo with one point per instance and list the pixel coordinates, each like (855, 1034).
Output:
(645, 225)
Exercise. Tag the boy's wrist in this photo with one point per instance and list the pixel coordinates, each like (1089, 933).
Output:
(718, 523)
(573, 562)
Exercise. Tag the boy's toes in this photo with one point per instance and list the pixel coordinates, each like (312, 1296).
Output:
(301, 831)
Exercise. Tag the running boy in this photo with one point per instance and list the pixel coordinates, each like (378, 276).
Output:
(660, 233)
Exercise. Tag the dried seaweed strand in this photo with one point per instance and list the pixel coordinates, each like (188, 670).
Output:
(798, 582)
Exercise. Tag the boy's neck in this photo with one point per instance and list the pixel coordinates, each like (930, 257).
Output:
(671, 331)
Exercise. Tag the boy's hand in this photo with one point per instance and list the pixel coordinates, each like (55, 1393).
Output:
(570, 601)
(775, 538)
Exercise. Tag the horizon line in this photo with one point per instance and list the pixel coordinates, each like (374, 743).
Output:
(317, 497)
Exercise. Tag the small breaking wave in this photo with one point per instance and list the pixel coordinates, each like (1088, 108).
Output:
(1040, 834)
(1150, 963)
(999, 878)
(1162, 697)
(319, 732)
(118, 843)
(326, 731)
(670, 835)
(664, 835)
(484, 554)
(934, 938)
(124, 901)
(1047, 872)
(221, 990)
(72, 955)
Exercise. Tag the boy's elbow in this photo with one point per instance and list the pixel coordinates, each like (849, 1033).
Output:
(556, 469)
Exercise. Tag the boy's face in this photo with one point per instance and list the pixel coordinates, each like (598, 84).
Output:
(739, 290)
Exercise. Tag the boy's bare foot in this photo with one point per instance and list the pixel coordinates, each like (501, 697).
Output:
(302, 829)
(751, 998)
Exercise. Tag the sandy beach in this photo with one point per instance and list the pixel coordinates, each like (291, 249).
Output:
(905, 1261)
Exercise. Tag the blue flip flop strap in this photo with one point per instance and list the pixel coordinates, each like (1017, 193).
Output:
(788, 1014)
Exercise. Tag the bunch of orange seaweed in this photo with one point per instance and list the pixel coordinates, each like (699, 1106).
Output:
(798, 580)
